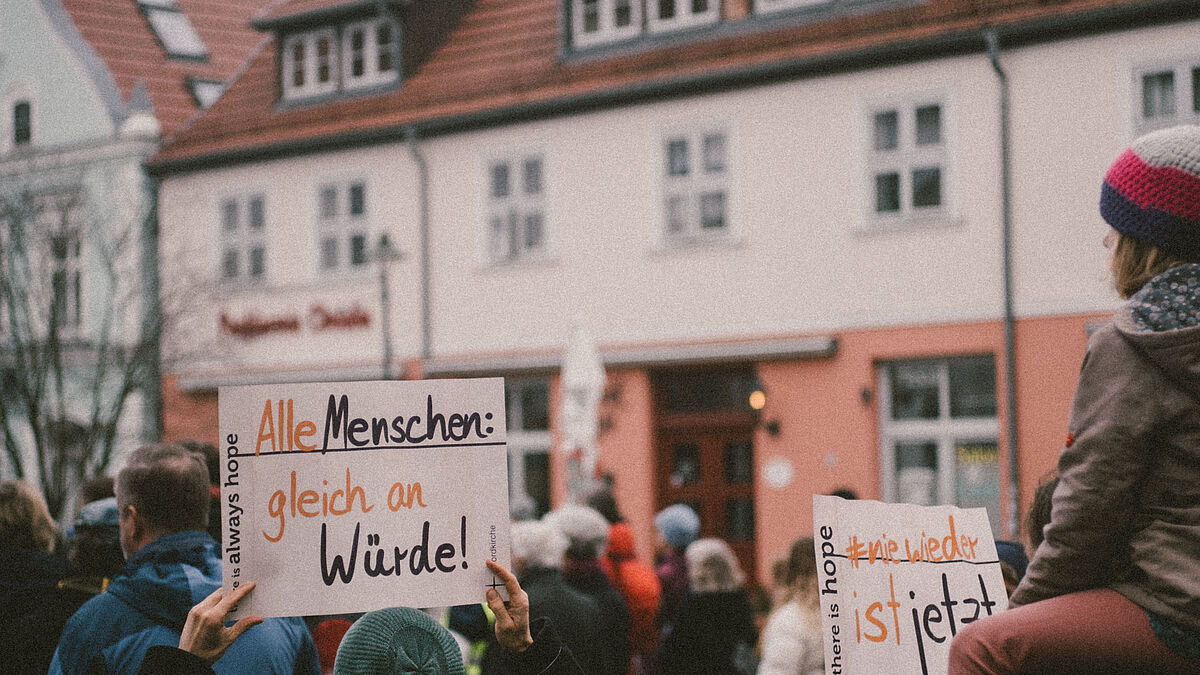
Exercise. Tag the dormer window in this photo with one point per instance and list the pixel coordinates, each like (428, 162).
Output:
(345, 58)
(669, 15)
(369, 59)
(597, 22)
(308, 64)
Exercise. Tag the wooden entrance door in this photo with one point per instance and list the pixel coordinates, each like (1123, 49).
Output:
(711, 469)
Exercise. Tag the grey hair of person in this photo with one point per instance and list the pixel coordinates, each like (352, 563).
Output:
(585, 529)
(168, 485)
(539, 544)
(713, 567)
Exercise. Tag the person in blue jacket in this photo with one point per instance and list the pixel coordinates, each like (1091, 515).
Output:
(171, 565)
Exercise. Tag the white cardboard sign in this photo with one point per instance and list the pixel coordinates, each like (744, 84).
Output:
(354, 496)
(898, 581)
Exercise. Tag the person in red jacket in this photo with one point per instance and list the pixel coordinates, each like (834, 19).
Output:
(634, 578)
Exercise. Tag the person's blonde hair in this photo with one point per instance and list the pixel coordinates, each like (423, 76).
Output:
(24, 518)
(1134, 262)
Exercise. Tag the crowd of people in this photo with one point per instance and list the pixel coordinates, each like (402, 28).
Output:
(138, 590)
(1106, 581)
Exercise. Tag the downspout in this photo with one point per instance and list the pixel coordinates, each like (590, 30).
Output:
(411, 134)
(152, 318)
(1010, 368)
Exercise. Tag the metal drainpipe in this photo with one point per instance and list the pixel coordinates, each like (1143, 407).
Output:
(1010, 369)
(410, 135)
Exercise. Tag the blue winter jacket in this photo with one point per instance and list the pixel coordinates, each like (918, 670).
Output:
(147, 604)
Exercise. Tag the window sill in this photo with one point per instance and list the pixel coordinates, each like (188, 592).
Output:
(673, 244)
(872, 225)
(524, 262)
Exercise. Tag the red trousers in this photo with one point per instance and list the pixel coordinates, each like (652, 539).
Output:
(1095, 631)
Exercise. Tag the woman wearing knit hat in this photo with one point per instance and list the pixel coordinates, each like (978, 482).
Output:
(1115, 584)
(677, 526)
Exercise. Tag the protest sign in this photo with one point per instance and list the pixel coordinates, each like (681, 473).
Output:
(898, 581)
(349, 497)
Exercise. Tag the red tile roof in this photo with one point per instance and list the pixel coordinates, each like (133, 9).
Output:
(124, 40)
(505, 56)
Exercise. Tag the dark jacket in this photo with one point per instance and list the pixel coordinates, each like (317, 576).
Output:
(589, 578)
(671, 568)
(147, 604)
(34, 608)
(575, 617)
(710, 630)
(1126, 511)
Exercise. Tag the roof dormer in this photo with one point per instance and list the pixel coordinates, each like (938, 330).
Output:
(335, 49)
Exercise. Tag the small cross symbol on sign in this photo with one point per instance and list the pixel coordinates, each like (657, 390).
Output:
(495, 583)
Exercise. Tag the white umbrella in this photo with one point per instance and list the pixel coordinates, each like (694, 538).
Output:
(582, 387)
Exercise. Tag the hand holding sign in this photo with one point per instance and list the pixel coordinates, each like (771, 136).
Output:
(512, 617)
(204, 633)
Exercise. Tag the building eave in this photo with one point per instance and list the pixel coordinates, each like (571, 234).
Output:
(952, 43)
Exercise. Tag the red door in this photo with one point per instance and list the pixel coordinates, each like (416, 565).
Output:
(711, 469)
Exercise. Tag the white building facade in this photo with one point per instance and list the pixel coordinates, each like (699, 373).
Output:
(828, 228)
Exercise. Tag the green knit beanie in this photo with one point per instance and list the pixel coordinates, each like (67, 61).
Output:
(398, 641)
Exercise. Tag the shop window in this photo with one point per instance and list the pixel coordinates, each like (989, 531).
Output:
(938, 431)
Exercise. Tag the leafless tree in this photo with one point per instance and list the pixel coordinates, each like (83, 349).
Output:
(80, 324)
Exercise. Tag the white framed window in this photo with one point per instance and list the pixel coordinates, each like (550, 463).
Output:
(342, 227)
(243, 245)
(310, 64)
(369, 53)
(1167, 95)
(938, 432)
(527, 404)
(670, 15)
(601, 21)
(907, 161)
(771, 6)
(59, 216)
(696, 179)
(516, 208)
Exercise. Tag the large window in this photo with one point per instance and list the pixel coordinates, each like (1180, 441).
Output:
(696, 185)
(243, 239)
(907, 161)
(1167, 95)
(516, 208)
(938, 432)
(527, 402)
(59, 216)
(342, 226)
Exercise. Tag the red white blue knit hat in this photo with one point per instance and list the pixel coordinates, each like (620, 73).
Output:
(1152, 192)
